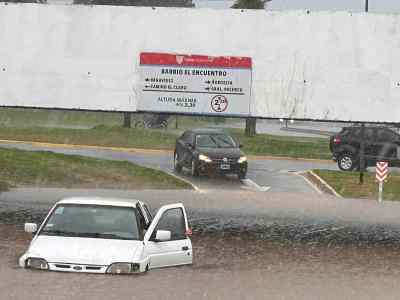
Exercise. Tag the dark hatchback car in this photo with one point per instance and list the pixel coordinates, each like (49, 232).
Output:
(381, 144)
(209, 151)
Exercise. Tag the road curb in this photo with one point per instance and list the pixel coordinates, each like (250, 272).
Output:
(270, 157)
(313, 185)
(324, 184)
(185, 180)
(150, 151)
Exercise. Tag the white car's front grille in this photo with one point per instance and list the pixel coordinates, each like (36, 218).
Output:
(63, 267)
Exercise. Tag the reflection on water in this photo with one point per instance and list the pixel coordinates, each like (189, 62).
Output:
(284, 231)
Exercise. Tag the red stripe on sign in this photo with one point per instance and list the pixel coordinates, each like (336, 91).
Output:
(165, 59)
(382, 165)
(382, 174)
(381, 168)
(379, 178)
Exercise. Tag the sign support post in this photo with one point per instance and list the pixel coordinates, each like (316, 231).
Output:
(380, 191)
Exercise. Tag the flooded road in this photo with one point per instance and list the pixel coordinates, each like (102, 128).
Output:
(238, 254)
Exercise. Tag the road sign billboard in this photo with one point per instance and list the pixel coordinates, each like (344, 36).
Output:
(194, 84)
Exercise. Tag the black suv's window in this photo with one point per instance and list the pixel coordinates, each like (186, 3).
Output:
(187, 137)
(369, 134)
(355, 133)
(215, 141)
(345, 132)
(386, 135)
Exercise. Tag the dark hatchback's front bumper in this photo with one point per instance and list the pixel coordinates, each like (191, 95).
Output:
(218, 167)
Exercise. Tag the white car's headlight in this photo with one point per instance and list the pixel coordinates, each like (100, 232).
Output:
(123, 268)
(242, 159)
(205, 158)
(36, 263)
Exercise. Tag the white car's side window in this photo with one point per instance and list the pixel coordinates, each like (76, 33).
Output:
(173, 220)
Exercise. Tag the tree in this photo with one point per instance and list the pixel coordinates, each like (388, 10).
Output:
(251, 123)
(25, 1)
(153, 3)
(127, 120)
(250, 4)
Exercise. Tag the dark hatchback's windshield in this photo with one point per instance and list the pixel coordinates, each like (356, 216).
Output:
(93, 221)
(215, 141)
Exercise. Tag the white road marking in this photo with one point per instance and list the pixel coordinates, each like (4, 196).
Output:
(197, 189)
(254, 185)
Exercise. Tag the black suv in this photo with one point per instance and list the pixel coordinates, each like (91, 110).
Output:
(208, 151)
(381, 143)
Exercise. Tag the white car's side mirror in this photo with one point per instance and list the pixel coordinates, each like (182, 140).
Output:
(163, 235)
(30, 227)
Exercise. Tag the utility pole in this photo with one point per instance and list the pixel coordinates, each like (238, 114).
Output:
(362, 135)
(362, 153)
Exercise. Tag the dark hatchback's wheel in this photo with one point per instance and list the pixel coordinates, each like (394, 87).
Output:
(193, 168)
(242, 175)
(346, 162)
(177, 165)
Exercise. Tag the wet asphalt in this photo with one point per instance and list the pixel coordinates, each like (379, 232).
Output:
(278, 174)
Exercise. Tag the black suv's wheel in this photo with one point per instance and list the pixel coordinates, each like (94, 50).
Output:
(346, 162)
(177, 165)
(193, 169)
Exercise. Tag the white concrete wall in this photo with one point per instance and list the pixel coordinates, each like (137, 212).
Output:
(325, 65)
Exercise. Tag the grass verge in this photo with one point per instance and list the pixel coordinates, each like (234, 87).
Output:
(26, 117)
(261, 144)
(4, 186)
(347, 185)
(48, 169)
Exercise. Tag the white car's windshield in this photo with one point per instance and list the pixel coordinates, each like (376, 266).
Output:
(93, 221)
(215, 141)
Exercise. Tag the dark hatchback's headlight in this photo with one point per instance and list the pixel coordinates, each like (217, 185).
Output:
(123, 268)
(36, 263)
(242, 159)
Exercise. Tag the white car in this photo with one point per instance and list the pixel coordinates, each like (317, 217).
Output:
(96, 235)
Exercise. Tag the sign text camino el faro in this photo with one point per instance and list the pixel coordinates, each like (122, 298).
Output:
(195, 84)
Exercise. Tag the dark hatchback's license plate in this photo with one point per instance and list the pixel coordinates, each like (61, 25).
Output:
(225, 167)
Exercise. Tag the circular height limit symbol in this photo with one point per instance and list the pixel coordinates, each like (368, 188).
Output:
(219, 103)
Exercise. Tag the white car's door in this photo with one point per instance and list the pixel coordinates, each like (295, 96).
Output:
(178, 249)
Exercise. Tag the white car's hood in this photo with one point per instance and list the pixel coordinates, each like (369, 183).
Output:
(93, 251)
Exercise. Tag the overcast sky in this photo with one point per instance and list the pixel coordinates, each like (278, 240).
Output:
(353, 5)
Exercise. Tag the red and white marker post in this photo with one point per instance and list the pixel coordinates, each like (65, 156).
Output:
(382, 172)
